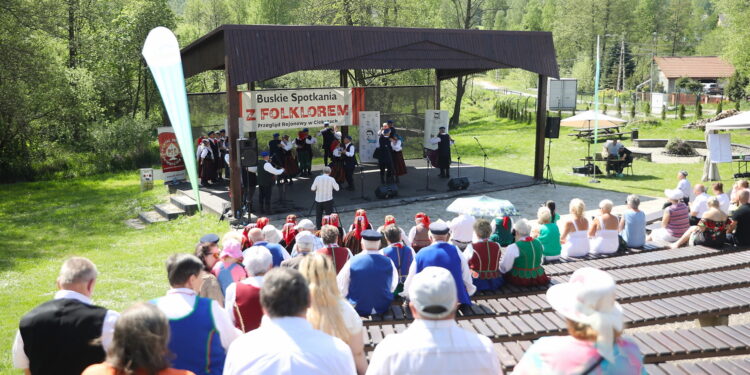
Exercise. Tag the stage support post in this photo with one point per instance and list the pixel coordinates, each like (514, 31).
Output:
(233, 113)
(344, 82)
(541, 123)
(437, 90)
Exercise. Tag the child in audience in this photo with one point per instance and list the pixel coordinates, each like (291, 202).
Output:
(230, 269)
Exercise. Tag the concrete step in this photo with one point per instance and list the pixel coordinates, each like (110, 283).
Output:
(210, 202)
(169, 210)
(151, 217)
(187, 204)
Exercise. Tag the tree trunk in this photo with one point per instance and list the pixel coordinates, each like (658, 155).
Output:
(137, 91)
(460, 90)
(72, 47)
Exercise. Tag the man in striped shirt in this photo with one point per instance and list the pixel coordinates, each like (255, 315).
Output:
(323, 186)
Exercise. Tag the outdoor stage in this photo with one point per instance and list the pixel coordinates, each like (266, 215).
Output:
(411, 188)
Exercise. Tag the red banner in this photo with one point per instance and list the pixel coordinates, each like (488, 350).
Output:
(172, 164)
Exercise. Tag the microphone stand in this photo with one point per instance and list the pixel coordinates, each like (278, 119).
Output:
(458, 155)
(484, 166)
(427, 172)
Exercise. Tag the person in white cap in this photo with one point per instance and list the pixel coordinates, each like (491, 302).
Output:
(462, 229)
(675, 221)
(443, 254)
(594, 319)
(306, 225)
(304, 244)
(684, 186)
(434, 343)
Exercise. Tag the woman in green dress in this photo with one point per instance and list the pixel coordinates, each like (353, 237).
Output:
(522, 260)
(548, 233)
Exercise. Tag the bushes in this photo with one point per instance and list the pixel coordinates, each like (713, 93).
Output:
(719, 108)
(663, 112)
(682, 112)
(677, 146)
(699, 111)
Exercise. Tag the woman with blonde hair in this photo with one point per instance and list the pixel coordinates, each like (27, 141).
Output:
(574, 237)
(328, 311)
(603, 232)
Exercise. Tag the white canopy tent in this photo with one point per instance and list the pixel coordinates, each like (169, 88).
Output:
(738, 121)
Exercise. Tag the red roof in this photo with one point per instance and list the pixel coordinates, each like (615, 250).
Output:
(694, 67)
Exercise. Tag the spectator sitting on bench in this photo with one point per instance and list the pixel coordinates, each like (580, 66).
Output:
(521, 263)
(675, 220)
(633, 223)
(698, 206)
(740, 226)
(710, 230)
(617, 156)
(594, 320)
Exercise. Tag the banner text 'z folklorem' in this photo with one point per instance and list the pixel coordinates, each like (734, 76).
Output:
(290, 109)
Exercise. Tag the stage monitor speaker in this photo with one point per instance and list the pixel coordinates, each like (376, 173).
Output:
(552, 130)
(587, 169)
(248, 151)
(459, 183)
(386, 191)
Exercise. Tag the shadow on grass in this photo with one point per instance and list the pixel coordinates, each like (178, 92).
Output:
(52, 218)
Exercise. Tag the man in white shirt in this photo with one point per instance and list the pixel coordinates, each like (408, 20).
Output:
(69, 319)
(286, 343)
(434, 343)
(684, 185)
(462, 230)
(698, 207)
(323, 186)
(194, 322)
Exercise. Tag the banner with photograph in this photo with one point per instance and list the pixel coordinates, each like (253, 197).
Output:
(433, 120)
(369, 124)
(172, 163)
(290, 109)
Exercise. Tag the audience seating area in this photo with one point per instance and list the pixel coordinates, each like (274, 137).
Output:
(654, 287)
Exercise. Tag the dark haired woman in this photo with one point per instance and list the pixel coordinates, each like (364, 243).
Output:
(208, 253)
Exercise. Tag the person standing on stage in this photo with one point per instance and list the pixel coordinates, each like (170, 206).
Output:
(323, 186)
(444, 142)
(206, 162)
(304, 143)
(290, 161)
(349, 161)
(277, 152)
(224, 150)
(214, 143)
(329, 135)
(399, 166)
(384, 155)
(266, 175)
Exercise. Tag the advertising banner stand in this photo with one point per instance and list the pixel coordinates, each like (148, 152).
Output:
(369, 124)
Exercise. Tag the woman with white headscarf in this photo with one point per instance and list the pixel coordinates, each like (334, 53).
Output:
(594, 344)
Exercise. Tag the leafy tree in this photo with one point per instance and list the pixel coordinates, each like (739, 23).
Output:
(735, 89)
(682, 112)
(719, 107)
(699, 111)
(689, 85)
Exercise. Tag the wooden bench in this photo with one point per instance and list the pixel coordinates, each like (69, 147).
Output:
(661, 346)
(637, 314)
(717, 367)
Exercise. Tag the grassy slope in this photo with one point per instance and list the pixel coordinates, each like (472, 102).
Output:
(44, 222)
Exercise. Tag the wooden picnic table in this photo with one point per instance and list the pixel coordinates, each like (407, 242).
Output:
(589, 132)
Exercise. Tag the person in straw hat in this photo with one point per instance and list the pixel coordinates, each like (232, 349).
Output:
(594, 344)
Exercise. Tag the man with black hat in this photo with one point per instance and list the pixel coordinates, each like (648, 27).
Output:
(329, 135)
(224, 152)
(206, 162)
(444, 142)
(266, 175)
(369, 278)
(443, 254)
(385, 155)
(349, 161)
(304, 143)
(218, 162)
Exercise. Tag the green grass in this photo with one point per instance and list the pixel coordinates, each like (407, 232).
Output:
(45, 222)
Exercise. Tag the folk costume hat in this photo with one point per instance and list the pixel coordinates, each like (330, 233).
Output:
(433, 292)
(589, 298)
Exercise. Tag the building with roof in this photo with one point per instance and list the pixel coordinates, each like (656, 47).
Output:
(704, 69)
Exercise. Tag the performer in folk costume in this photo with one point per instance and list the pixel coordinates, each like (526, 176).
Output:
(391, 220)
(206, 163)
(288, 232)
(502, 228)
(214, 143)
(290, 158)
(354, 237)
(266, 176)
(347, 151)
(224, 150)
(329, 135)
(444, 142)
(337, 162)
(358, 213)
(338, 254)
(401, 255)
(304, 143)
(484, 258)
(399, 166)
(521, 263)
(419, 235)
(333, 219)
(384, 154)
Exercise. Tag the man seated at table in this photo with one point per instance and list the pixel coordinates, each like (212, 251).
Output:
(617, 156)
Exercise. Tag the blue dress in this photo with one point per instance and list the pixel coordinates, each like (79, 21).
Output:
(634, 232)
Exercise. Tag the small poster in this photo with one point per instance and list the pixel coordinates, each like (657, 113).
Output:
(657, 102)
(719, 148)
(172, 164)
(433, 120)
(369, 124)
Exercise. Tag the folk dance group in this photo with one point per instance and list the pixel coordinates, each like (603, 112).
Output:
(212, 154)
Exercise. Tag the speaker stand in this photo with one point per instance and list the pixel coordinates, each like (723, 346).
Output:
(362, 183)
(547, 169)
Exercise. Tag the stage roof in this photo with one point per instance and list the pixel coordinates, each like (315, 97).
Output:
(261, 52)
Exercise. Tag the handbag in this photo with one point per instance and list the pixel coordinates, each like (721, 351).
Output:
(623, 246)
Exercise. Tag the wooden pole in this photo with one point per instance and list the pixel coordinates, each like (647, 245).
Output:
(541, 123)
(233, 113)
(344, 82)
(437, 90)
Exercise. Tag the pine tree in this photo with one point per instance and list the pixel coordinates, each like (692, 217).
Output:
(699, 111)
(718, 107)
(682, 112)
(663, 112)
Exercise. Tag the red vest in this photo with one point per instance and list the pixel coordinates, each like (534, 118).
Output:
(246, 309)
(486, 259)
(421, 238)
(338, 254)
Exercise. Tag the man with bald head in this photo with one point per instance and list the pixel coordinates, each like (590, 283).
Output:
(699, 204)
(741, 220)
(278, 253)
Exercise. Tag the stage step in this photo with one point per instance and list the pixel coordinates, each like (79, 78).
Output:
(169, 210)
(186, 204)
(210, 202)
(151, 217)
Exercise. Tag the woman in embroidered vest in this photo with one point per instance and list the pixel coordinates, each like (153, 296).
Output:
(139, 345)
(419, 235)
(501, 230)
(328, 311)
(401, 255)
(548, 234)
(484, 258)
(522, 261)
(243, 297)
